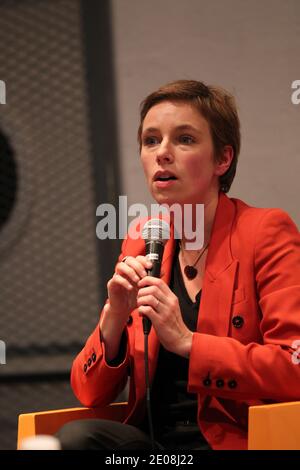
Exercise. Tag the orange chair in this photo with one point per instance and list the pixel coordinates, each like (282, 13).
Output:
(48, 422)
(271, 427)
(274, 427)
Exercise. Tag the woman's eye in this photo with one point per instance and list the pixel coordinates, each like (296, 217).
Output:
(150, 140)
(186, 139)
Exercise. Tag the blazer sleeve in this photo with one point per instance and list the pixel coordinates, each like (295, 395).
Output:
(93, 380)
(260, 371)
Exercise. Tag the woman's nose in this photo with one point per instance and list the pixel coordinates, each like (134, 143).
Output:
(164, 153)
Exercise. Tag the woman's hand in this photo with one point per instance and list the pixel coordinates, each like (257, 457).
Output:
(122, 299)
(156, 301)
(122, 287)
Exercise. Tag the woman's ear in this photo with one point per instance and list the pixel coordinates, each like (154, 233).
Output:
(224, 160)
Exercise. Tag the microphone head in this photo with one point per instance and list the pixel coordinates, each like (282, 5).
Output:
(156, 229)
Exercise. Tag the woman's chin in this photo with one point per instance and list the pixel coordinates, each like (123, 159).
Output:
(166, 199)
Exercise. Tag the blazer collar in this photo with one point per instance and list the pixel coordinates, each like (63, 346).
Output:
(219, 255)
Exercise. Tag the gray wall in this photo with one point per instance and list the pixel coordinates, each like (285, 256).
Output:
(250, 48)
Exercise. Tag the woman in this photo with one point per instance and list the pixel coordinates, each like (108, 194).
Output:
(225, 318)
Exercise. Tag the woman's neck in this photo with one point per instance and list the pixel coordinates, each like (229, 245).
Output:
(210, 208)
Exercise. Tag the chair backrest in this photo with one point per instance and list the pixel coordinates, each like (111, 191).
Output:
(49, 422)
(274, 427)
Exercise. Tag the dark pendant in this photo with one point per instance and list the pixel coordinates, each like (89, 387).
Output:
(190, 272)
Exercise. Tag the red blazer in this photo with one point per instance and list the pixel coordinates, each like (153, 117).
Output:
(248, 319)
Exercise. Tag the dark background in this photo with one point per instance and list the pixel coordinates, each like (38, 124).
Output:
(58, 162)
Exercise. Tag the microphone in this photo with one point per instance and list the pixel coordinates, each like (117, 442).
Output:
(155, 232)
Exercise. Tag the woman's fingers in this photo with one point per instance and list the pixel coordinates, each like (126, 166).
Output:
(118, 280)
(149, 295)
(133, 268)
(148, 300)
(123, 269)
(156, 282)
(144, 261)
(152, 290)
(156, 294)
(153, 296)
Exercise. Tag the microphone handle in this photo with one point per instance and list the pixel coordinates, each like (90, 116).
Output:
(154, 252)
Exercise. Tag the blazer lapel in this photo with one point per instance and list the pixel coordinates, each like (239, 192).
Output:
(220, 274)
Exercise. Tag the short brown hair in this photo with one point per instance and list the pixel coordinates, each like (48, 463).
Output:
(216, 105)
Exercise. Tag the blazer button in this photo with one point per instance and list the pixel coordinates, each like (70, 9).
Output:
(207, 382)
(85, 368)
(94, 357)
(129, 320)
(238, 321)
(89, 362)
(220, 383)
(232, 383)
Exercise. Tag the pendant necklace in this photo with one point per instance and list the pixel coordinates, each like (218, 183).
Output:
(189, 270)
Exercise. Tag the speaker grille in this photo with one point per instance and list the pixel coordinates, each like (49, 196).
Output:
(49, 275)
(27, 397)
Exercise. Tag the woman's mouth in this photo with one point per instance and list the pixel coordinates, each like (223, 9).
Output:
(164, 179)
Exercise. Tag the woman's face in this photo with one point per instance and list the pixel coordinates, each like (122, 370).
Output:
(178, 155)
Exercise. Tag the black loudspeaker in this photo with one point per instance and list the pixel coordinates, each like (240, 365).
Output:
(54, 141)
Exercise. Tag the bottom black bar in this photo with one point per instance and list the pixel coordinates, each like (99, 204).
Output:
(139, 460)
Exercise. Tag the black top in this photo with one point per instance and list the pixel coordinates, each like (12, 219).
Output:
(174, 410)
